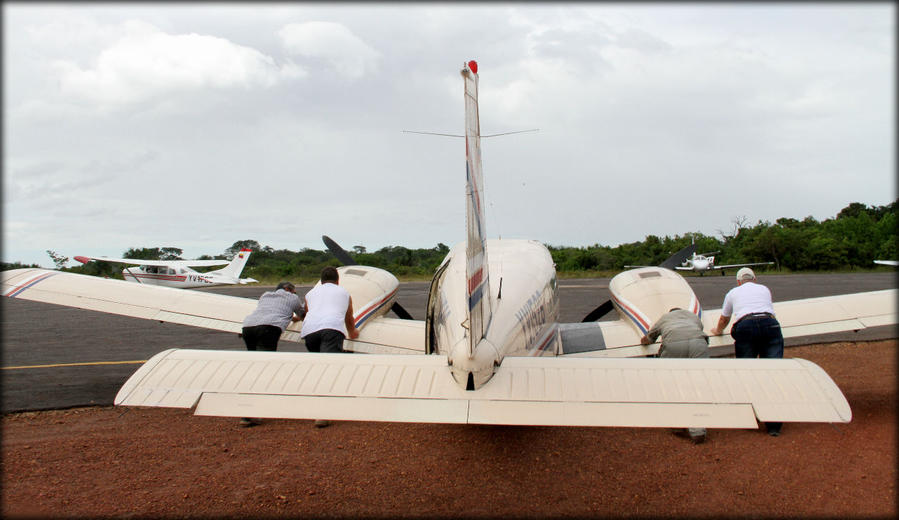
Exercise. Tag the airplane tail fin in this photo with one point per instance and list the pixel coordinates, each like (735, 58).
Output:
(479, 309)
(237, 264)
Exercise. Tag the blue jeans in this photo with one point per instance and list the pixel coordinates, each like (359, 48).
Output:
(759, 337)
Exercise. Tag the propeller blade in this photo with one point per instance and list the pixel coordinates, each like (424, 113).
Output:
(338, 251)
(400, 312)
(345, 258)
(678, 258)
(599, 312)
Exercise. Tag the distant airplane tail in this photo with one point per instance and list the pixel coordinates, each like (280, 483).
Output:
(236, 266)
(479, 310)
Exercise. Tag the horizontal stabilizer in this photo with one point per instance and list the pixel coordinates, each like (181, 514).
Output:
(718, 393)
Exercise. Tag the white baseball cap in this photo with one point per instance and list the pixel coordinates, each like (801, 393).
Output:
(745, 273)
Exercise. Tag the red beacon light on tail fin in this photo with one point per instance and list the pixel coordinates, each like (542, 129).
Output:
(473, 66)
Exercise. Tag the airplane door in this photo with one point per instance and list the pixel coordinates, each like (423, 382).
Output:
(433, 301)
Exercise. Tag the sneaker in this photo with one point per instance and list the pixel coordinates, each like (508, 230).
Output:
(321, 423)
(246, 422)
(774, 433)
(698, 439)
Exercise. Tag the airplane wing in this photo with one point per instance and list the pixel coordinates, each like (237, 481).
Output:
(887, 262)
(805, 317)
(740, 265)
(715, 393)
(164, 263)
(195, 308)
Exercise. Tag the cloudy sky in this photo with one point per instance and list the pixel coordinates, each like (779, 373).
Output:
(197, 125)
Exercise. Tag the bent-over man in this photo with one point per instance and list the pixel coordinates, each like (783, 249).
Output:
(275, 310)
(263, 327)
(329, 315)
(682, 337)
(329, 319)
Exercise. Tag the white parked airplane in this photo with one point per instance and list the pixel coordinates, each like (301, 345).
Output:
(178, 273)
(490, 349)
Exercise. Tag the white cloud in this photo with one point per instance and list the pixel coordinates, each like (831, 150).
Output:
(675, 106)
(332, 42)
(146, 62)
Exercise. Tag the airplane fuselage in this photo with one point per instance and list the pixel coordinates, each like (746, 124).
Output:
(523, 299)
(701, 263)
(180, 277)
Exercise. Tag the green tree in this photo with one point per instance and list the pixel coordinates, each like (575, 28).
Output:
(59, 260)
(241, 244)
(170, 253)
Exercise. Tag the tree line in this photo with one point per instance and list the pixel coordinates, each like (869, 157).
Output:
(853, 239)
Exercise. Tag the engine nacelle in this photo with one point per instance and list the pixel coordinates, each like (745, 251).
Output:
(644, 295)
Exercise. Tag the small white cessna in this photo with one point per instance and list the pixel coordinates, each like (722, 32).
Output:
(489, 351)
(178, 273)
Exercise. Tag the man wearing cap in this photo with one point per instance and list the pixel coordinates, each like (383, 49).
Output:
(756, 331)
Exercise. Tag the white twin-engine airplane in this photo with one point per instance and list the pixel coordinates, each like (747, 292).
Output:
(178, 273)
(489, 351)
(700, 263)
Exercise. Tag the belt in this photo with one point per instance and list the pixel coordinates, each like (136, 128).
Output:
(754, 316)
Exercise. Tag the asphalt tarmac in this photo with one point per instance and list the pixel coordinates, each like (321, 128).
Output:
(58, 357)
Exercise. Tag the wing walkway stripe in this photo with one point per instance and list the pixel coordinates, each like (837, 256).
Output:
(86, 363)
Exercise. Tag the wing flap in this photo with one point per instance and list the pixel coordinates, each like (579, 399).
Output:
(719, 393)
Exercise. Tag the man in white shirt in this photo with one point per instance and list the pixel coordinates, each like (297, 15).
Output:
(329, 315)
(756, 331)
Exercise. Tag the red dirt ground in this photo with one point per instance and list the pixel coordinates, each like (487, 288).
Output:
(114, 462)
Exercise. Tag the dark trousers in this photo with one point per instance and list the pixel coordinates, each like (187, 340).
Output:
(265, 337)
(759, 337)
(325, 340)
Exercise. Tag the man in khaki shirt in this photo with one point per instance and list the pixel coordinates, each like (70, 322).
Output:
(682, 337)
